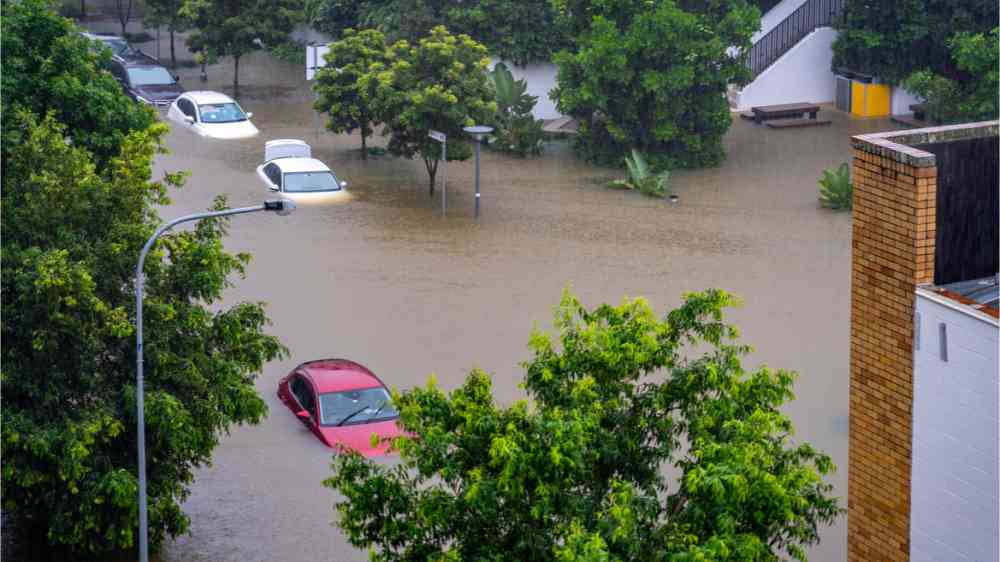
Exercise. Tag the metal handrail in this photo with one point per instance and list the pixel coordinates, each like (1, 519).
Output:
(807, 18)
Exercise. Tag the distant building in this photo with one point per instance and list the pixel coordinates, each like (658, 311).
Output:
(924, 429)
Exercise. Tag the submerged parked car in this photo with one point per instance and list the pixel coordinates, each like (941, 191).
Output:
(289, 168)
(211, 114)
(145, 80)
(342, 403)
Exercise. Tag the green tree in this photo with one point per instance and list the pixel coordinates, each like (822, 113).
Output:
(439, 84)
(168, 13)
(235, 28)
(519, 31)
(973, 99)
(577, 471)
(892, 40)
(654, 77)
(47, 67)
(347, 99)
(73, 228)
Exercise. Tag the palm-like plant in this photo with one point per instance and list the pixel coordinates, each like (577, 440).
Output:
(836, 191)
(518, 132)
(642, 178)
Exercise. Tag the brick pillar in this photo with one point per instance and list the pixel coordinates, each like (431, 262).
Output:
(893, 251)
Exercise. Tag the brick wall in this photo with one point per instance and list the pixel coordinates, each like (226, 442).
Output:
(893, 252)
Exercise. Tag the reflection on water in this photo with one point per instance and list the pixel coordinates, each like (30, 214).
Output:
(381, 277)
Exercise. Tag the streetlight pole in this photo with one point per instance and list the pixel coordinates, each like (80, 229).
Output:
(478, 132)
(280, 206)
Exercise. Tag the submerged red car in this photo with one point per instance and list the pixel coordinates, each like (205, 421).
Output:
(342, 402)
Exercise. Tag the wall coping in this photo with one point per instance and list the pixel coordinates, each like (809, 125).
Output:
(900, 145)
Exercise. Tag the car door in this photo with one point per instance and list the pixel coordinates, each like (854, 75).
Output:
(305, 397)
(274, 174)
(188, 110)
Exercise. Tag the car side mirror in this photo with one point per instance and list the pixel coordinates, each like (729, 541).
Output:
(189, 119)
(272, 187)
(343, 184)
(177, 78)
(304, 415)
(249, 114)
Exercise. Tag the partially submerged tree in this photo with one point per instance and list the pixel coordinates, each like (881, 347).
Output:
(577, 472)
(168, 13)
(348, 100)
(439, 84)
(653, 76)
(123, 10)
(78, 203)
(235, 28)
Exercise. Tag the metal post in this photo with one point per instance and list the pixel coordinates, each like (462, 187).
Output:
(157, 43)
(477, 177)
(444, 177)
(139, 394)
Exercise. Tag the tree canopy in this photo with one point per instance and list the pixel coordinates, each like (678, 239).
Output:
(652, 78)
(439, 84)
(78, 202)
(892, 40)
(973, 99)
(641, 439)
(349, 102)
(520, 31)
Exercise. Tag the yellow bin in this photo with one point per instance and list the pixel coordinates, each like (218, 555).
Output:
(870, 100)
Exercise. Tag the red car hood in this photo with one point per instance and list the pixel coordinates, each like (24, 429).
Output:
(359, 437)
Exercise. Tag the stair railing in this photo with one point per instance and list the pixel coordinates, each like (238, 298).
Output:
(810, 16)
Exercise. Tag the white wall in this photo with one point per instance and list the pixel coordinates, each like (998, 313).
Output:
(901, 100)
(774, 16)
(802, 75)
(956, 428)
(541, 77)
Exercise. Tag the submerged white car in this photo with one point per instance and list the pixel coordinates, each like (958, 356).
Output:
(289, 168)
(211, 114)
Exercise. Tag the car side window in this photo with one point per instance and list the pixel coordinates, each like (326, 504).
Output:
(274, 173)
(117, 71)
(186, 107)
(303, 393)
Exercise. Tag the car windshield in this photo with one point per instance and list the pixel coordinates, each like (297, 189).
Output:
(149, 76)
(221, 113)
(355, 406)
(118, 46)
(305, 182)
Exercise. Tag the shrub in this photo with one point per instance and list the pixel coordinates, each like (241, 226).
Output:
(517, 131)
(836, 191)
(642, 178)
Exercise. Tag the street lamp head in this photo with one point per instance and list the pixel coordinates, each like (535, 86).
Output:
(282, 207)
(478, 131)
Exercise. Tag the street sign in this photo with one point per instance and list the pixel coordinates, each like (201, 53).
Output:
(436, 135)
(315, 60)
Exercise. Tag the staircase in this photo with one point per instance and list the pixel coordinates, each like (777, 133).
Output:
(810, 16)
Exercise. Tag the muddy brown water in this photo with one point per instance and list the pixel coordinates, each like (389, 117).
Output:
(381, 277)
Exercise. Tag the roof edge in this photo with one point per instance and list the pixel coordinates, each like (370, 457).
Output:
(899, 145)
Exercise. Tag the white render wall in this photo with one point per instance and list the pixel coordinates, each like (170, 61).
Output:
(956, 428)
(801, 75)
(541, 78)
(901, 100)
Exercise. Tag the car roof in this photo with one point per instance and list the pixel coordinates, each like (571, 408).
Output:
(295, 164)
(207, 96)
(338, 375)
(137, 58)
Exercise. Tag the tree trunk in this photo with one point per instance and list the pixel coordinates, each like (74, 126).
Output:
(236, 75)
(83, 8)
(173, 54)
(432, 172)
(364, 146)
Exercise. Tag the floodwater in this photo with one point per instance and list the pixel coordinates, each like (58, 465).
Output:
(381, 277)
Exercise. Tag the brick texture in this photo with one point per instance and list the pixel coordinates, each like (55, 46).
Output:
(893, 252)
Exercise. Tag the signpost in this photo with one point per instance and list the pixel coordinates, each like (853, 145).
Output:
(315, 60)
(443, 139)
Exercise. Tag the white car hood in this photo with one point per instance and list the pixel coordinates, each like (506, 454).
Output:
(236, 130)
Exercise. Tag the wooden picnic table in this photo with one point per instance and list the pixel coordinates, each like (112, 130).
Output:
(785, 110)
(919, 111)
